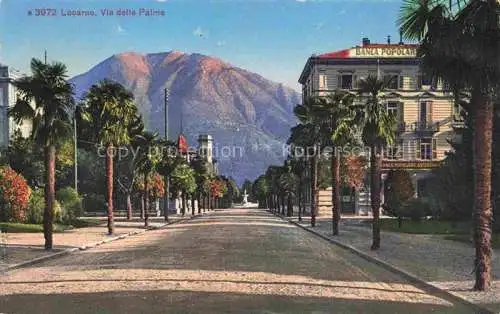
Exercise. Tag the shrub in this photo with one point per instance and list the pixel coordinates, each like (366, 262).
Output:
(36, 205)
(398, 191)
(70, 204)
(14, 195)
(94, 203)
(416, 209)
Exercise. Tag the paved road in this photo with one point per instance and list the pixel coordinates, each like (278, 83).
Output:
(231, 261)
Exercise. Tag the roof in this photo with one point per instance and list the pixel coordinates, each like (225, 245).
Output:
(366, 52)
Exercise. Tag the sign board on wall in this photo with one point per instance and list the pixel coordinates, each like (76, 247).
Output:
(403, 164)
(389, 51)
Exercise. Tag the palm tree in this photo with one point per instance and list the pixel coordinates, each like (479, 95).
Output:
(52, 96)
(289, 183)
(112, 109)
(298, 168)
(378, 131)
(149, 157)
(460, 45)
(272, 177)
(310, 118)
(201, 170)
(127, 167)
(183, 182)
(339, 126)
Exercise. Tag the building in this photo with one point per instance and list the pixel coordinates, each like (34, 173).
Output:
(204, 150)
(8, 97)
(424, 109)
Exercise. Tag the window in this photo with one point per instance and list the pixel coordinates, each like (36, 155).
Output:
(457, 112)
(394, 152)
(446, 86)
(345, 81)
(323, 81)
(425, 112)
(392, 108)
(427, 149)
(392, 81)
(425, 80)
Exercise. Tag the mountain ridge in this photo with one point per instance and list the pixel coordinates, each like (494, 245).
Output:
(210, 96)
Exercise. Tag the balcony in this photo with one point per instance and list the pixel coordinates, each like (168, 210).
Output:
(425, 127)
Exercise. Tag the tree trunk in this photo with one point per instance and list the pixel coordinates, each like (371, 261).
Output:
(129, 206)
(299, 191)
(314, 188)
(283, 204)
(335, 194)
(166, 204)
(376, 165)
(198, 195)
(483, 123)
(142, 208)
(109, 185)
(192, 205)
(50, 195)
(289, 206)
(146, 201)
(183, 202)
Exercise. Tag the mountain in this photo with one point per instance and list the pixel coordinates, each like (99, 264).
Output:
(248, 116)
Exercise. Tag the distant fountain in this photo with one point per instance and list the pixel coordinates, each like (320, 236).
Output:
(245, 197)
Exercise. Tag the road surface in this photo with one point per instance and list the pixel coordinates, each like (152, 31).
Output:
(228, 261)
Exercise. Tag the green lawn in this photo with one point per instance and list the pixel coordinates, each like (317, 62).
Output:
(14, 227)
(425, 226)
(467, 239)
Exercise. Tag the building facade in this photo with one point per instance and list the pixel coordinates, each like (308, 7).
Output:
(424, 109)
(8, 96)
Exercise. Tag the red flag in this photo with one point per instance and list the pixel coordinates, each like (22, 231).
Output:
(182, 144)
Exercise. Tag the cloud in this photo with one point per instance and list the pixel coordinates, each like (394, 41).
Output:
(119, 29)
(221, 43)
(319, 25)
(199, 32)
(342, 12)
(161, 0)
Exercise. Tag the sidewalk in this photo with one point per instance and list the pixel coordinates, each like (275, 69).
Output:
(23, 247)
(445, 264)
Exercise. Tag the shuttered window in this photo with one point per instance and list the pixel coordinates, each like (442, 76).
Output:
(434, 148)
(323, 81)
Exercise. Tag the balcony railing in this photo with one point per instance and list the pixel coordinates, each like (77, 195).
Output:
(420, 126)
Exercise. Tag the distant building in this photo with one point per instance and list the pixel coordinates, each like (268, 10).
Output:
(204, 150)
(424, 109)
(8, 96)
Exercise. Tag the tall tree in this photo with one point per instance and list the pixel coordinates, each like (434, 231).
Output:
(308, 135)
(461, 45)
(46, 100)
(378, 131)
(111, 109)
(127, 166)
(149, 157)
(339, 128)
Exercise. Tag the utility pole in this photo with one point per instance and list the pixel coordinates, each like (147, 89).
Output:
(76, 150)
(166, 202)
(45, 56)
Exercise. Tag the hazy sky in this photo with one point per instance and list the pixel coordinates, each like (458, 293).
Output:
(272, 38)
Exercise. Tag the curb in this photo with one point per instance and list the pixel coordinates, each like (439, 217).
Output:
(90, 246)
(408, 276)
